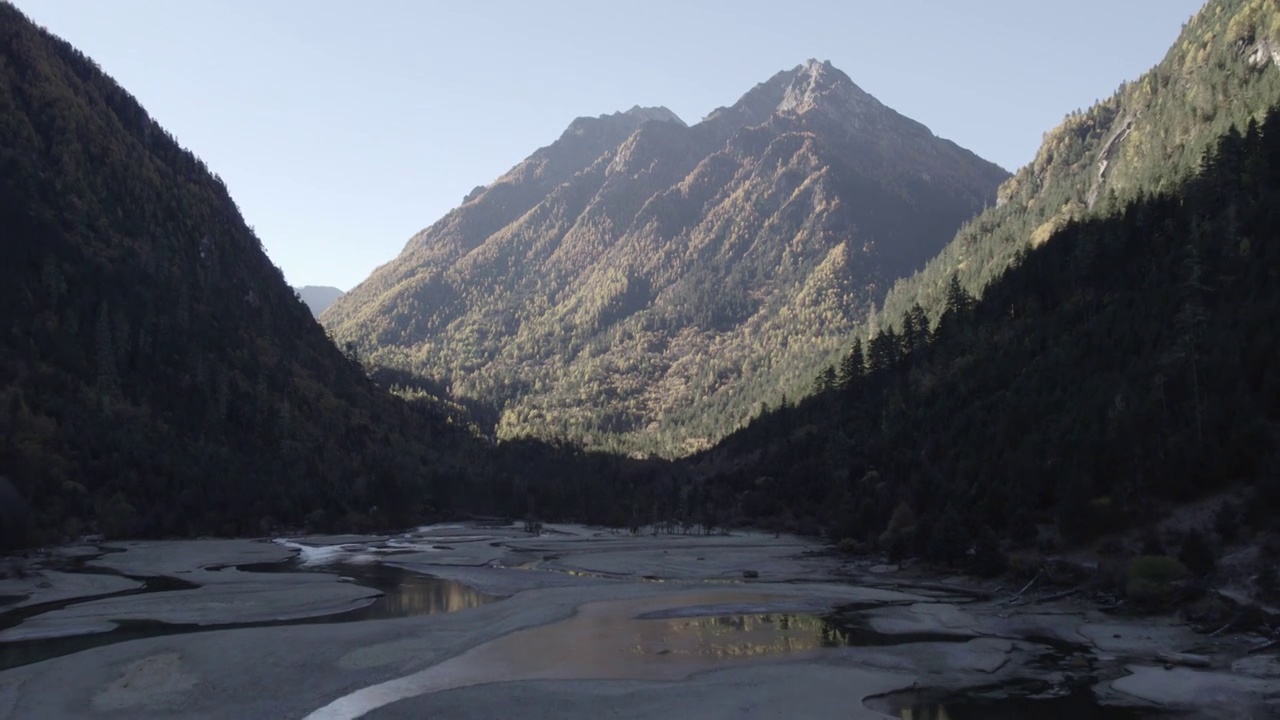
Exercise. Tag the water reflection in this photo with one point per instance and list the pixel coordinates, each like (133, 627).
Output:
(429, 596)
(663, 638)
(737, 636)
(405, 593)
(1079, 703)
(925, 712)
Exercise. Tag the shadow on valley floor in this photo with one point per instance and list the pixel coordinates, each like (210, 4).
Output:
(1009, 701)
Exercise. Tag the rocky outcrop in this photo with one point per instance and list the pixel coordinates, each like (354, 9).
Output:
(1264, 53)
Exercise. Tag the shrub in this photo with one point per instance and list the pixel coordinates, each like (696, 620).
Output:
(1025, 565)
(1112, 575)
(897, 538)
(14, 517)
(988, 561)
(1268, 582)
(947, 539)
(1110, 546)
(1227, 521)
(1197, 554)
(1152, 546)
(1152, 579)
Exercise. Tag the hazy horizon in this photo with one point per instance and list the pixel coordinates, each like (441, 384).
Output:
(342, 134)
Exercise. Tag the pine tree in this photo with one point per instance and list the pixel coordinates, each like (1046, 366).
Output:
(853, 366)
(108, 378)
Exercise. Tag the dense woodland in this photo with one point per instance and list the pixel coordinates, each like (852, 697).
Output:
(157, 375)
(1146, 138)
(1128, 363)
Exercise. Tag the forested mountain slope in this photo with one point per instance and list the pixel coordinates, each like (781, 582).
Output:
(1129, 362)
(157, 375)
(644, 279)
(1223, 70)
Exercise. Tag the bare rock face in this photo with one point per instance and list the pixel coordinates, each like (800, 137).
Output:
(638, 265)
(656, 114)
(1264, 53)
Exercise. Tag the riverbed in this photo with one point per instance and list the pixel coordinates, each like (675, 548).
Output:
(474, 621)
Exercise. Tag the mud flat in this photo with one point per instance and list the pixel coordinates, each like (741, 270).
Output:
(204, 591)
(583, 622)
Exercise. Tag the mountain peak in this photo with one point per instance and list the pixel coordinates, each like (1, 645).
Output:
(819, 84)
(634, 243)
(658, 114)
(816, 68)
(814, 84)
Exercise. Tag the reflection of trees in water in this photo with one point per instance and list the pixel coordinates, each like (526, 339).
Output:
(925, 712)
(738, 635)
(427, 596)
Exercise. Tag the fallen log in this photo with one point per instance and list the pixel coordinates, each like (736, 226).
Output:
(1057, 596)
(1018, 595)
(906, 585)
(1263, 647)
(1176, 658)
(1230, 624)
(936, 587)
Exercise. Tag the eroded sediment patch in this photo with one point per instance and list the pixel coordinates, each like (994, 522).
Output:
(158, 682)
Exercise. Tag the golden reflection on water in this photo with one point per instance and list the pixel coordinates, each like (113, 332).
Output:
(419, 595)
(608, 640)
(932, 712)
(735, 636)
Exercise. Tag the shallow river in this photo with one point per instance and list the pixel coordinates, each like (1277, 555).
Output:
(664, 638)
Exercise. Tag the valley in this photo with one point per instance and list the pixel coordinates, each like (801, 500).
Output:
(798, 409)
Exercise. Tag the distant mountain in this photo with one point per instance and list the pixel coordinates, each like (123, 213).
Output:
(644, 279)
(157, 374)
(318, 297)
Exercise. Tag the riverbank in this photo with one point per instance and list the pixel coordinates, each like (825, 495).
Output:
(749, 625)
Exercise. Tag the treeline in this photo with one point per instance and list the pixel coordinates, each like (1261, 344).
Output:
(1128, 363)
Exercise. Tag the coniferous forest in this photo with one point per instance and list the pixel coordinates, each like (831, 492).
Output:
(157, 375)
(1127, 364)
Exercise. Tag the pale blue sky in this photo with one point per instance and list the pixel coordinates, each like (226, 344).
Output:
(342, 128)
